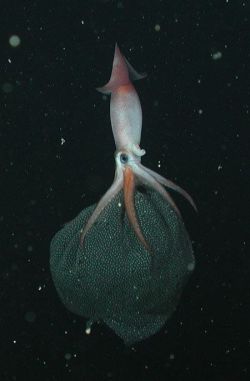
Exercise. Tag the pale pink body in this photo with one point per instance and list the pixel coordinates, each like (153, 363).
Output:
(126, 121)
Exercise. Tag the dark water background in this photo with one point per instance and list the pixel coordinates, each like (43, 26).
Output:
(195, 104)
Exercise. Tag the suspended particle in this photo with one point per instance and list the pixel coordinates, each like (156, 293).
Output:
(88, 327)
(67, 356)
(157, 28)
(30, 248)
(88, 330)
(14, 41)
(216, 56)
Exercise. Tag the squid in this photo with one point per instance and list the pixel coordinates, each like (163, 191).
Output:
(126, 122)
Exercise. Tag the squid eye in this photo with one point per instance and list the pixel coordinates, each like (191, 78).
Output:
(124, 158)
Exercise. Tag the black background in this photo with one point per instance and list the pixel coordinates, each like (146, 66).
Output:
(196, 123)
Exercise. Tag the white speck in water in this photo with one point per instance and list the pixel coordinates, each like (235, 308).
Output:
(14, 41)
(88, 327)
(67, 356)
(216, 56)
(88, 331)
